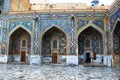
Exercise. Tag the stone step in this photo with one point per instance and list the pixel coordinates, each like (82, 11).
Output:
(93, 65)
(18, 63)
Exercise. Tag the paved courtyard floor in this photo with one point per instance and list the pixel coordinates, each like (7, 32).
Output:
(57, 72)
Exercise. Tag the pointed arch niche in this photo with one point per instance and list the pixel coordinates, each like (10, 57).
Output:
(116, 43)
(54, 43)
(90, 39)
(19, 45)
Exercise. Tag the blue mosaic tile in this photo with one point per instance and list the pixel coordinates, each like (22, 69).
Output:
(99, 23)
(6, 6)
(63, 24)
(114, 17)
(82, 23)
(27, 24)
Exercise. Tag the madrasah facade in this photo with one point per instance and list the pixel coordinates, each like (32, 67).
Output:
(59, 33)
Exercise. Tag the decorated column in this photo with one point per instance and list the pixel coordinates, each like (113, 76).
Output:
(3, 44)
(36, 58)
(107, 60)
(72, 57)
(4, 10)
(6, 6)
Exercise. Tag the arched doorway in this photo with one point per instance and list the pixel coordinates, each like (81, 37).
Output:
(116, 43)
(53, 45)
(90, 43)
(19, 46)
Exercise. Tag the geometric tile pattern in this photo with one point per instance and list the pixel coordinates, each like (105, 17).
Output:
(82, 23)
(52, 19)
(21, 16)
(47, 41)
(95, 38)
(28, 24)
(89, 14)
(36, 38)
(116, 44)
(1, 26)
(63, 24)
(6, 6)
(113, 18)
(72, 32)
(99, 23)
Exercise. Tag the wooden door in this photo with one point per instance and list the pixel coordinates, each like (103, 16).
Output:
(54, 57)
(23, 56)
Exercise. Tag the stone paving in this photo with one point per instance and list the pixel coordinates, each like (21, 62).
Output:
(57, 72)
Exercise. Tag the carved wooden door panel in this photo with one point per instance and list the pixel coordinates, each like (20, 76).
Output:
(23, 56)
(54, 57)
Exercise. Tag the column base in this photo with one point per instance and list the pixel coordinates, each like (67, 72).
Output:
(3, 58)
(35, 60)
(72, 59)
(108, 60)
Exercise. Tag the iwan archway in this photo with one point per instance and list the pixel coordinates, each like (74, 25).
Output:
(19, 46)
(54, 45)
(90, 44)
(116, 43)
